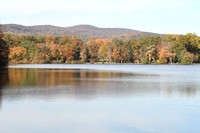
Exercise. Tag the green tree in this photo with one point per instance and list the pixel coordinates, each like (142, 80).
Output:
(187, 58)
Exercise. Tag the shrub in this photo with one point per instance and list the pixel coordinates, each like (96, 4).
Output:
(91, 61)
(73, 62)
(80, 61)
(187, 59)
(144, 61)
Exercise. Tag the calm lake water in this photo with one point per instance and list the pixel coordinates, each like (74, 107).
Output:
(100, 99)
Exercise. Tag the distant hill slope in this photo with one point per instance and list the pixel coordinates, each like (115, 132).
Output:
(83, 32)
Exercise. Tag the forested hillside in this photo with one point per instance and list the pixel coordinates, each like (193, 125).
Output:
(84, 32)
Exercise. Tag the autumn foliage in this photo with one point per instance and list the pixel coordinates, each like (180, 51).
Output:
(47, 49)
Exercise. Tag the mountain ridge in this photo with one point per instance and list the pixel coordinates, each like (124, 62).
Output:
(83, 31)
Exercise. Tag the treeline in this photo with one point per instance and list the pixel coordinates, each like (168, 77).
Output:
(183, 49)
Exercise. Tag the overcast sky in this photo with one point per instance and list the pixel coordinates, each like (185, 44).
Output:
(160, 16)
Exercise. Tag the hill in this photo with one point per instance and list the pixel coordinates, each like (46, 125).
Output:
(83, 32)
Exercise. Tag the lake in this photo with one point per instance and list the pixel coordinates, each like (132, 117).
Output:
(85, 98)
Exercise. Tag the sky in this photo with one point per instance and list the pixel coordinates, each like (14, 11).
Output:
(159, 16)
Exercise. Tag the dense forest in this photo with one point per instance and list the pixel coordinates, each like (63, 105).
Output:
(183, 49)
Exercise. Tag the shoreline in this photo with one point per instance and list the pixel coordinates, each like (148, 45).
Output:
(103, 64)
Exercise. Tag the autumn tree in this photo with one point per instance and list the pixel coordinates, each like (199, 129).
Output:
(64, 40)
(105, 50)
(121, 51)
(17, 54)
(187, 58)
(188, 43)
(83, 53)
(117, 55)
(68, 53)
(93, 49)
(136, 51)
(57, 53)
(149, 48)
(163, 55)
(4, 50)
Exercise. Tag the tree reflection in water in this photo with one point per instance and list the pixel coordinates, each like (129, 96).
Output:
(84, 83)
(3, 81)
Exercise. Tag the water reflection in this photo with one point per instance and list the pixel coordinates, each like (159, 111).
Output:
(52, 77)
(80, 83)
(3, 81)
(82, 100)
